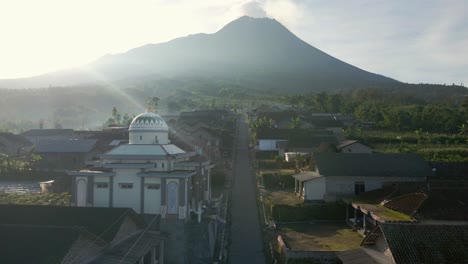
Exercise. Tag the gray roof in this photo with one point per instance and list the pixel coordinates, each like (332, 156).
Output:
(48, 132)
(389, 165)
(346, 143)
(306, 176)
(144, 150)
(66, 145)
(422, 243)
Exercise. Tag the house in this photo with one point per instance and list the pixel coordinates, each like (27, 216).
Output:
(65, 154)
(12, 144)
(353, 146)
(36, 135)
(337, 175)
(54, 234)
(149, 175)
(404, 243)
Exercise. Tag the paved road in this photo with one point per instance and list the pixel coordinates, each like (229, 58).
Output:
(246, 239)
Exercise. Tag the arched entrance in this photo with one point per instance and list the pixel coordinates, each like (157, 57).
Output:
(81, 193)
(172, 198)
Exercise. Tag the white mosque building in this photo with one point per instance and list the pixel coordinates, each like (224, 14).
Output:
(148, 174)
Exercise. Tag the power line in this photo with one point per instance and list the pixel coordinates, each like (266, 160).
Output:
(134, 244)
(97, 238)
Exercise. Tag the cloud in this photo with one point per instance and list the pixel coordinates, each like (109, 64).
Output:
(253, 9)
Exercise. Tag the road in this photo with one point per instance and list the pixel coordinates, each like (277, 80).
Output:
(246, 238)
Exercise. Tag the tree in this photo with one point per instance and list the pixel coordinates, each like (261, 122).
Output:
(295, 123)
(114, 113)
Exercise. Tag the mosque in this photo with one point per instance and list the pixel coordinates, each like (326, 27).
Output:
(149, 175)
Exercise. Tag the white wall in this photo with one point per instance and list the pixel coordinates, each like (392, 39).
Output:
(127, 197)
(138, 137)
(152, 197)
(314, 189)
(81, 191)
(101, 195)
(344, 185)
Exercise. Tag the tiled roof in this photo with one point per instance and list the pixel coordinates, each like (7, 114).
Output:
(49, 132)
(67, 145)
(388, 165)
(95, 220)
(36, 244)
(421, 243)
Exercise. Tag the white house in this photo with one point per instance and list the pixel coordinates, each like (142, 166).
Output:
(149, 174)
(353, 146)
(338, 175)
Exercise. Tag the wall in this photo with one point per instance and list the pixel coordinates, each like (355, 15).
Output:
(148, 137)
(152, 200)
(101, 195)
(337, 186)
(314, 189)
(127, 197)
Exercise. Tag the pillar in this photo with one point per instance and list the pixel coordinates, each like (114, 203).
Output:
(364, 223)
(295, 186)
(355, 217)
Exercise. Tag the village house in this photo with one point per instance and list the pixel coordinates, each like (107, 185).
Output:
(353, 146)
(65, 154)
(12, 144)
(36, 135)
(57, 234)
(149, 175)
(336, 175)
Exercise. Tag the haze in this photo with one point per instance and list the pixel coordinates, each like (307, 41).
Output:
(411, 42)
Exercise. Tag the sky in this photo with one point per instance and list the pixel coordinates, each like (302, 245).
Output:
(418, 41)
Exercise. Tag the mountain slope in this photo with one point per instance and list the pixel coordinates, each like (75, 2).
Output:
(254, 52)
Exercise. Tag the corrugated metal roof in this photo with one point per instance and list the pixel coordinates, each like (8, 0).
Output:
(48, 132)
(306, 176)
(67, 145)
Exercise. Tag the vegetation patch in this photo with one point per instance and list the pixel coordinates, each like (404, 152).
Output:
(308, 212)
(57, 199)
(278, 180)
(320, 237)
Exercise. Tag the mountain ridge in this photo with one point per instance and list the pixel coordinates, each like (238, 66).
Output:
(258, 52)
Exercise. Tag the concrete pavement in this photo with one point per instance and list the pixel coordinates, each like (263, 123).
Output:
(246, 238)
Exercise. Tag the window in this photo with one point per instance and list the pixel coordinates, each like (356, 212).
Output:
(153, 186)
(126, 185)
(156, 139)
(141, 137)
(162, 165)
(359, 187)
(155, 165)
(102, 185)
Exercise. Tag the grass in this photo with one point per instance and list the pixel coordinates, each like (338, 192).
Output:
(57, 199)
(308, 212)
(284, 198)
(320, 237)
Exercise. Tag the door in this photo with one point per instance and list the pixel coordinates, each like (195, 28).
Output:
(172, 201)
(81, 193)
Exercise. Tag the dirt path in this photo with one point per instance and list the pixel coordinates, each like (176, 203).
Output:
(246, 239)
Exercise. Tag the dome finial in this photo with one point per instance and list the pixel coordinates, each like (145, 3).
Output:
(148, 107)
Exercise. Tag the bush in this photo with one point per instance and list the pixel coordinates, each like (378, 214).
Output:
(276, 180)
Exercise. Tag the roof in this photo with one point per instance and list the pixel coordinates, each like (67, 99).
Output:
(95, 220)
(363, 164)
(355, 256)
(145, 150)
(421, 243)
(306, 176)
(48, 132)
(131, 249)
(148, 121)
(36, 244)
(66, 145)
(347, 143)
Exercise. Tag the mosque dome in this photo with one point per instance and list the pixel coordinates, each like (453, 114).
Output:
(148, 122)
